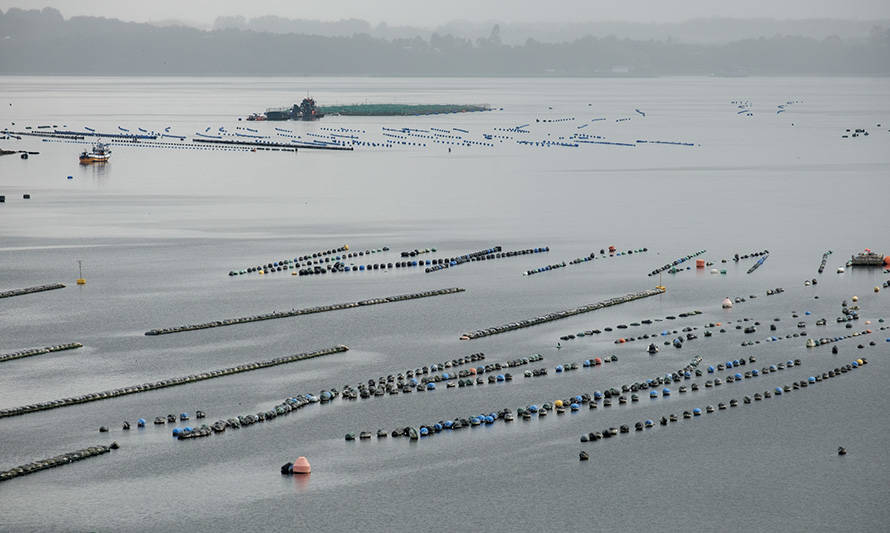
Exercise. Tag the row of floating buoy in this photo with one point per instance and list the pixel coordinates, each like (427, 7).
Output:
(824, 261)
(294, 403)
(813, 343)
(579, 260)
(645, 321)
(31, 290)
(306, 260)
(299, 401)
(158, 421)
(736, 257)
(415, 252)
(304, 311)
(59, 460)
(432, 265)
(559, 406)
(39, 351)
(757, 265)
(561, 314)
(676, 262)
(169, 382)
(480, 256)
(594, 436)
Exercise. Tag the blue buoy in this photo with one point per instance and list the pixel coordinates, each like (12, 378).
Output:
(559, 368)
(778, 390)
(755, 372)
(665, 391)
(533, 408)
(140, 422)
(597, 395)
(445, 375)
(738, 376)
(710, 369)
(500, 377)
(424, 432)
(696, 411)
(430, 386)
(489, 420)
(811, 379)
(575, 406)
(653, 394)
(176, 432)
(449, 424)
(437, 427)
(729, 364)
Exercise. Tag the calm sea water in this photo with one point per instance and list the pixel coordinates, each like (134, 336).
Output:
(159, 229)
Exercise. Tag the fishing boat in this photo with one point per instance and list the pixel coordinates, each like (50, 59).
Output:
(99, 154)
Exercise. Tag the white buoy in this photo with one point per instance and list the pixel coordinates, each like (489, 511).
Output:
(727, 303)
(840, 270)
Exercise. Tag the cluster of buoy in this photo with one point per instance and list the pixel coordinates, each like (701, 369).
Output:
(170, 382)
(300, 467)
(855, 133)
(777, 290)
(415, 252)
(304, 311)
(39, 351)
(29, 290)
(697, 411)
(59, 460)
(492, 253)
(675, 263)
(307, 260)
(645, 321)
(549, 317)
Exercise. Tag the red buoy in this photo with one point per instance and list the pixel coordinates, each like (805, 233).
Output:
(301, 466)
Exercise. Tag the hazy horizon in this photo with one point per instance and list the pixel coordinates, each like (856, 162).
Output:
(204, 12)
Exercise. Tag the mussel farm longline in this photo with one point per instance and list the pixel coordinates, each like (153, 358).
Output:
(304, 311)
(170, 382)
(39, 351)
(59, 460)
(558, 315)
(29, 290)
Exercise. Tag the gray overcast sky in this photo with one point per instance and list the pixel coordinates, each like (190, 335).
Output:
(431, 13)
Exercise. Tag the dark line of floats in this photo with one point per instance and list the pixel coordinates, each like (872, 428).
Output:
(484, 255)
(170, 382)
(31, 290)
(824, 260)
(260, 145)
(39, 351)
(495, 330)
(579, 260)
(304, 311)
(721, 406)
(59, 460)
(676, 262)
(307, 259)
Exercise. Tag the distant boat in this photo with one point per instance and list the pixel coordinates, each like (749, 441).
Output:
(99, 154)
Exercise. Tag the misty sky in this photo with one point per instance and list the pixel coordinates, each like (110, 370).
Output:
(431, 13)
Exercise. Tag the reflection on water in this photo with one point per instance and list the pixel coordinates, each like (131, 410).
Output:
(97, 172)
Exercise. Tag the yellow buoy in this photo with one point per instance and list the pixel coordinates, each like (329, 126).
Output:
(877, 289)
(80, 279)
(345, 246)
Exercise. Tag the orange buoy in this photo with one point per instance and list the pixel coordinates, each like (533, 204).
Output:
(887, 260)
(611, 249)
(699, 263)
(621, 341)
(301, 466)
